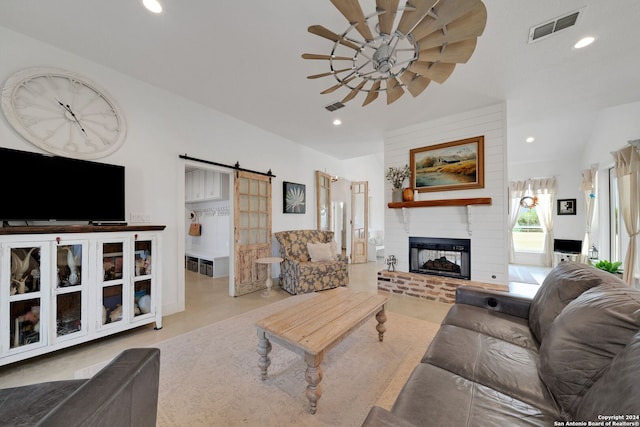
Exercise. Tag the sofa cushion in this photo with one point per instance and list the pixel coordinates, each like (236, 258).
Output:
(561, 286)
(499, 325)
(436, 397)
(26, 405)
(584, 339)
(617, 391)
(508, 368)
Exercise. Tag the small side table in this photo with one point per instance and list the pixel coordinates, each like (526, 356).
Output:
(269, 261)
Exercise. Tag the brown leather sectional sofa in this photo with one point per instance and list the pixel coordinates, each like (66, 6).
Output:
(572, 353)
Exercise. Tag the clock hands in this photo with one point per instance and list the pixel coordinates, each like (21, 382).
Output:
(68, 110)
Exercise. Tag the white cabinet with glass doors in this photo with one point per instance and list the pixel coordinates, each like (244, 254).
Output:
(62, 289)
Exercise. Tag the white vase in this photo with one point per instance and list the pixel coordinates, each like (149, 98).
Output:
(396, 195)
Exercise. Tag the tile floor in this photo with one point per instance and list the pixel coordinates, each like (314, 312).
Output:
(207, 301)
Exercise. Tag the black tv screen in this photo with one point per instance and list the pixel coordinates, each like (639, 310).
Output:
(567, 246)
(37, 187)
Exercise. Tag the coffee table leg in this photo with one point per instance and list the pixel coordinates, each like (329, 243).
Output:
(264, 347)
(313, 375)
(381, 317)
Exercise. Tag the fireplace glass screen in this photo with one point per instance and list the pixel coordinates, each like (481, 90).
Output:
(440, 257)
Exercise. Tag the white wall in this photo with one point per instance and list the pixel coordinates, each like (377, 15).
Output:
(489, 223)
(162, 126)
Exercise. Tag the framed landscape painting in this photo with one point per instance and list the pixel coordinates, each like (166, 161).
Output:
(457, 165)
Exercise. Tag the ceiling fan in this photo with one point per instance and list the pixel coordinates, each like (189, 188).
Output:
(402, 46)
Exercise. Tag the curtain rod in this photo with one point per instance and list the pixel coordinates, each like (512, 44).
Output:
(235, 167)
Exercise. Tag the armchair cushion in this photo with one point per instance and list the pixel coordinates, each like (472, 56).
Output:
(322, 251)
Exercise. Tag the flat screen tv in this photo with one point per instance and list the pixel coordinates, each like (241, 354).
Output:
(567, 246)
(37, 187)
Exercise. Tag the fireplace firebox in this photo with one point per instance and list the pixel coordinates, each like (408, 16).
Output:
(440, 257)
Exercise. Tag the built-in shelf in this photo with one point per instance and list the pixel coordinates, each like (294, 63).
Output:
(442, 202)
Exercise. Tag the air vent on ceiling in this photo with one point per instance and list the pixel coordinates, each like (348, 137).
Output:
(551, 27)
(335, 106)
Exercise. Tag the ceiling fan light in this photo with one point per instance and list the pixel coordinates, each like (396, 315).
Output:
(584, 42)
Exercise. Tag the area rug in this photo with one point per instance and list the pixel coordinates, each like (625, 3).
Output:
(210, 377)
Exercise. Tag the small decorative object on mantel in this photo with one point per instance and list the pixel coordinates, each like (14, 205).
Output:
(396, 176)
(407, 194)
(391, 263)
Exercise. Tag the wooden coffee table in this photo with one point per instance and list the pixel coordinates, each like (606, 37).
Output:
(314, 326)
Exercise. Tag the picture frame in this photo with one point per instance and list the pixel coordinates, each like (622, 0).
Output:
(566, 206)
(294, 198)
(455, 165)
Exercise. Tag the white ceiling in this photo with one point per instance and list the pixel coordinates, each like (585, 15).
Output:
(244, 59)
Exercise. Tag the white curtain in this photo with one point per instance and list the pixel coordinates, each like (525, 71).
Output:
(589, 187)
(545, 190)
(517, 191)
(627, 166)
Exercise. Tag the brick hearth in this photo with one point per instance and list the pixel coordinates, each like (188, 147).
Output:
(435, 288)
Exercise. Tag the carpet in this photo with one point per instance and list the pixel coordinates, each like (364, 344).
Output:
(210, 377)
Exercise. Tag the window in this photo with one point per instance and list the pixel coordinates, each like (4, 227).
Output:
(528, 235)
(615, 220)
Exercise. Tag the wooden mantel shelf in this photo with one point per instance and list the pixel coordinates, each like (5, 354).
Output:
(442, 202)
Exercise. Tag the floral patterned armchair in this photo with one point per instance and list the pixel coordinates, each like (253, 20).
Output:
(298, 273)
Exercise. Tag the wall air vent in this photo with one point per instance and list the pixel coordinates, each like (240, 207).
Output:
(335, 106)
(552, 27)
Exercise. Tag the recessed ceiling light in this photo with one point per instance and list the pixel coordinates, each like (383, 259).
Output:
(584, 42)
(530, 139)
(152, 6)
(337, 122)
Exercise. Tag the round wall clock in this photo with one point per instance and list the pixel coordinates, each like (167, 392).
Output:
(63, 113)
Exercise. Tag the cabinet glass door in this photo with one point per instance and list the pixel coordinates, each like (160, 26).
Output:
(114, 275)
(70, 291)
(27, 270)
(142, 282)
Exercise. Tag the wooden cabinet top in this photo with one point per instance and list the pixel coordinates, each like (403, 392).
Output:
(48, 229)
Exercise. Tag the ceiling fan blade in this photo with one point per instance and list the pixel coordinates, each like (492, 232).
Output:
(321, 31)
(314, 56)
(394, 90)
(438, 72)
(353, 92)
(351, 10)
(410, 18)
(386, 19)
(414, 82)
(373, 93)
(445, 12)
(455, 52)
(469, 26)
(338, 86)
(330, 73)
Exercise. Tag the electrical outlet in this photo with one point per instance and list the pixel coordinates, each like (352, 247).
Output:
(137, 217)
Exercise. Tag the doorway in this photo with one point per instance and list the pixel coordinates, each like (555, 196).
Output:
(208, 202)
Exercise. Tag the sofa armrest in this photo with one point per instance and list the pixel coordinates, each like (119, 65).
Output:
(123, 393)
(379, 417)
(500, 301)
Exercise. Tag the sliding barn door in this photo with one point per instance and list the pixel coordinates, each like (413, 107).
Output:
(252, 230)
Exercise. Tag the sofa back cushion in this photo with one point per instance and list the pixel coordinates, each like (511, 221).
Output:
(584, 339)
(293, 243)
(617, 391)
(561, 286)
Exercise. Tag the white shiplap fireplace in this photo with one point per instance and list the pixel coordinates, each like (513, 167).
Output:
(485, 226)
